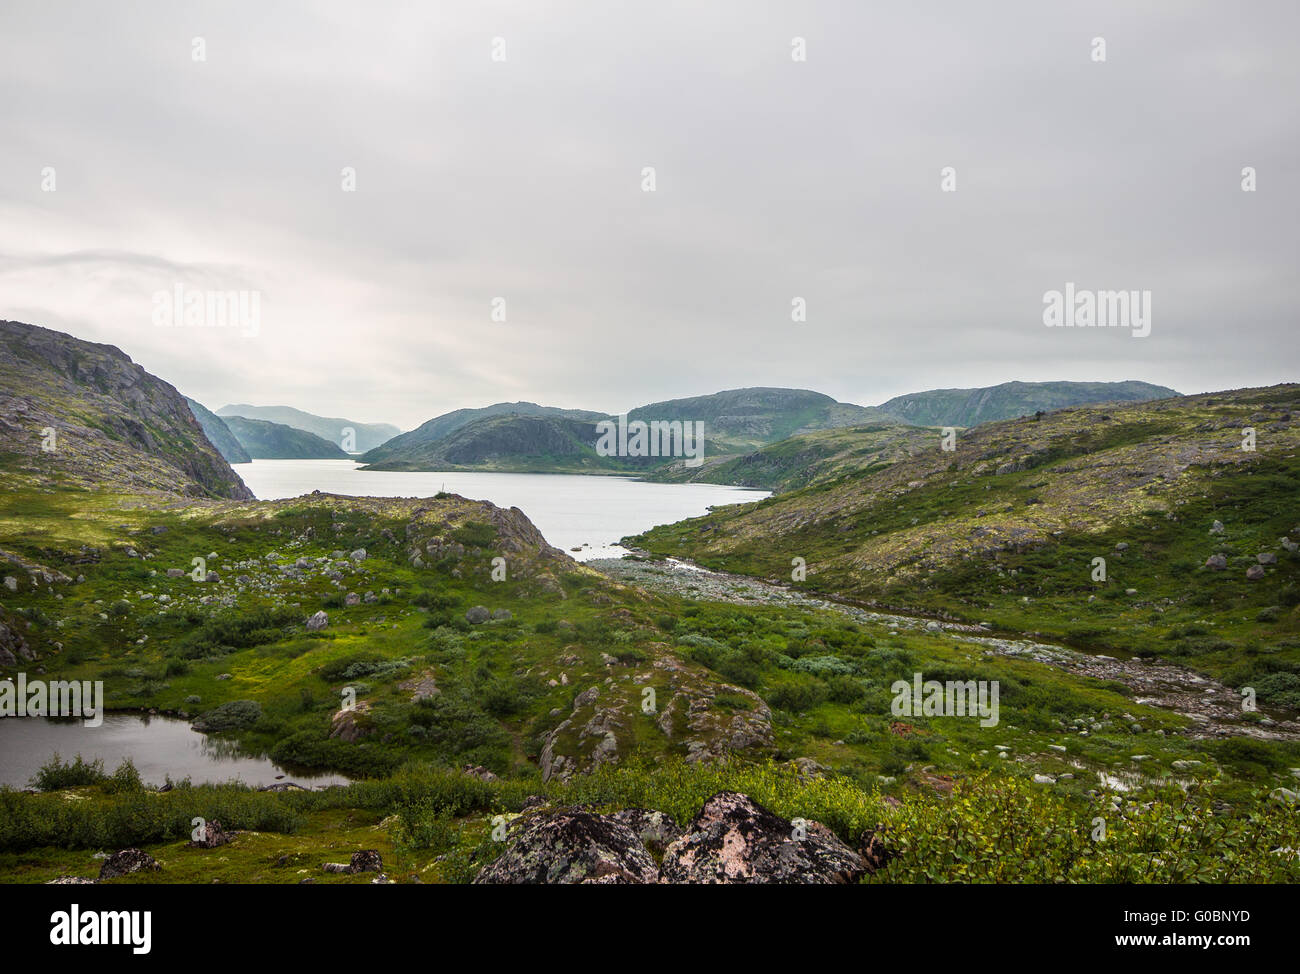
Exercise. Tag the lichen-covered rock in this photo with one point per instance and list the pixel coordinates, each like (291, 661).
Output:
(477, 614)
(570, 846)
(126, 862)
(210, 836)
(656, 830)
(350, 724)
(318, 621)
(367, 861)
(736, 840)
(362, 861)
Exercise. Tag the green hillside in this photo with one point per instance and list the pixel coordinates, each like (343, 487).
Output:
(275, 441)
(1005, 529)
(970, 407)
(527, 437)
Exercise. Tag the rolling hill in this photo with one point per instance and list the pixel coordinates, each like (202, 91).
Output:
(274, 441)
(367, 435)
(527, 437)
(970, 407)
(1200, 537)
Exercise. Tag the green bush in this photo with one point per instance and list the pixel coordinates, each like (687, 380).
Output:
(236, 715)
(55, 774)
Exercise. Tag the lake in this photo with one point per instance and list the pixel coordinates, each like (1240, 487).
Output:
(571, 510)
(159, 746)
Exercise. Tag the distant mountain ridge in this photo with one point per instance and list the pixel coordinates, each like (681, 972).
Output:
(367, 435)
(970, 407)
(417, 445)
(275, 441)
(528, 437)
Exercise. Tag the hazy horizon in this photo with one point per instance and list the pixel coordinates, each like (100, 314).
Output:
(500, 153)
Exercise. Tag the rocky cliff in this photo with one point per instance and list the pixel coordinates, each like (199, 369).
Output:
(76, 413)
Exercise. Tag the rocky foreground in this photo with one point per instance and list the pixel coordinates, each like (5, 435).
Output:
(732, 840)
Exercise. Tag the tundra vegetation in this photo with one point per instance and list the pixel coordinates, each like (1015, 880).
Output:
(458, 670)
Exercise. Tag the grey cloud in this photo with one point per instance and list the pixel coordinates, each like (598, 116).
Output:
(775, 179)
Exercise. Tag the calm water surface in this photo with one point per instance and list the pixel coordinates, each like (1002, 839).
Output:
(159, 746)
(571, 510)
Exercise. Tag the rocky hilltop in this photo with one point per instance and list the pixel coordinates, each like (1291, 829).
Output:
(76, 413)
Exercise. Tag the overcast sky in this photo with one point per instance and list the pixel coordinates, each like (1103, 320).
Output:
(479, 178)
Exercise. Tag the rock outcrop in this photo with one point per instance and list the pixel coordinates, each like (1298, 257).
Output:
(126, 862)
(736, 840)
(571, 846)
(84, 414)
(732, 840)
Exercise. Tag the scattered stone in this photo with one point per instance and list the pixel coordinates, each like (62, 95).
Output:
(1217, 562)
(128, 861)
(477, 615)
(808, 768)
(211, 836)
(319, 620)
